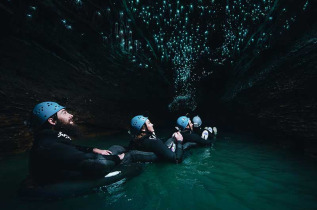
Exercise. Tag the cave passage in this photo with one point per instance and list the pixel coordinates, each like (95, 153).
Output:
(242, 65)
(248, 67)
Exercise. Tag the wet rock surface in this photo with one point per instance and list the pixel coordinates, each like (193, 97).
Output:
(275, 95)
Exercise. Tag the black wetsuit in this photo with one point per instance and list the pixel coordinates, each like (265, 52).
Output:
(190, 136)
(53, 158)
(150, 143)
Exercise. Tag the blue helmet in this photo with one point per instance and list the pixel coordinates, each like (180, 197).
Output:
(45, 110)
(182, 122)
(136, 123)
(197, 121)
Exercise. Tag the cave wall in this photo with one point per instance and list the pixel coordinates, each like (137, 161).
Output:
(57, 51)
(274, 93)
(41, 60)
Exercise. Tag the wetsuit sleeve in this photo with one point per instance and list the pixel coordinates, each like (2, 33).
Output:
(179, 152)
(163, 152)
(140, 156)
(68, 157)
(84, 149)
(78, 147)
(196, 139)
(88, 150)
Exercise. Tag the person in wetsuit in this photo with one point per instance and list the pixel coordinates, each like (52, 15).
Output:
(185, 125)
(206, 132)
(54, 158)
(144, 139)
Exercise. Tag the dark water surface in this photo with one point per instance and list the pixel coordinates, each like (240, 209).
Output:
(237, 172)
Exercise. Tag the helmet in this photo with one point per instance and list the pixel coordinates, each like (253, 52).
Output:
(136, 123)
(182, 122)
(197, 121)
(45, 110)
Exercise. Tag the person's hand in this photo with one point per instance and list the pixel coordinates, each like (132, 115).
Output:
(209, 129)
(121, 156)
(178, 136)
(102, 152)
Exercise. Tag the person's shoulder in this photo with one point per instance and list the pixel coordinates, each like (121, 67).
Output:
(191, 134)
(194, 134)
(185, 132)
(151, 140)
(197, 129)
(45, 133)
(148, 137)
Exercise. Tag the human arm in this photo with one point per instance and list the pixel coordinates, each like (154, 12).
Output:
(164, 153)
(92, 149)
(102, 152)
(140, 156)
(98, 151)
(209, 132)
(66, 157)
(192, 137)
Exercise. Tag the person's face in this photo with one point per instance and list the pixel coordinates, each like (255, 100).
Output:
(190, 125)
(64, 117)
(149, 125)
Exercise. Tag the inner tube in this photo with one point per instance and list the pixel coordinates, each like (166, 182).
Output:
(133, 156)
(170, 143)
(33, 192)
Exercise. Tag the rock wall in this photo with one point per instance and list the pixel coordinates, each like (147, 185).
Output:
(56, 51)
(274, 94)
(43, 61)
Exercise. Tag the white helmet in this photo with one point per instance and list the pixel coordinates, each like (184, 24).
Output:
(197, 121)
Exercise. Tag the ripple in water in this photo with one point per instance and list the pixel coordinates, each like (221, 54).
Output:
(236, 173)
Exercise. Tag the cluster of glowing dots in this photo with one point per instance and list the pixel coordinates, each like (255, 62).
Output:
(240, 19)
(180, 34)
(178, 37)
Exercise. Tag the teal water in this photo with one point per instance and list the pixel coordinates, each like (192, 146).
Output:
(237, 172)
